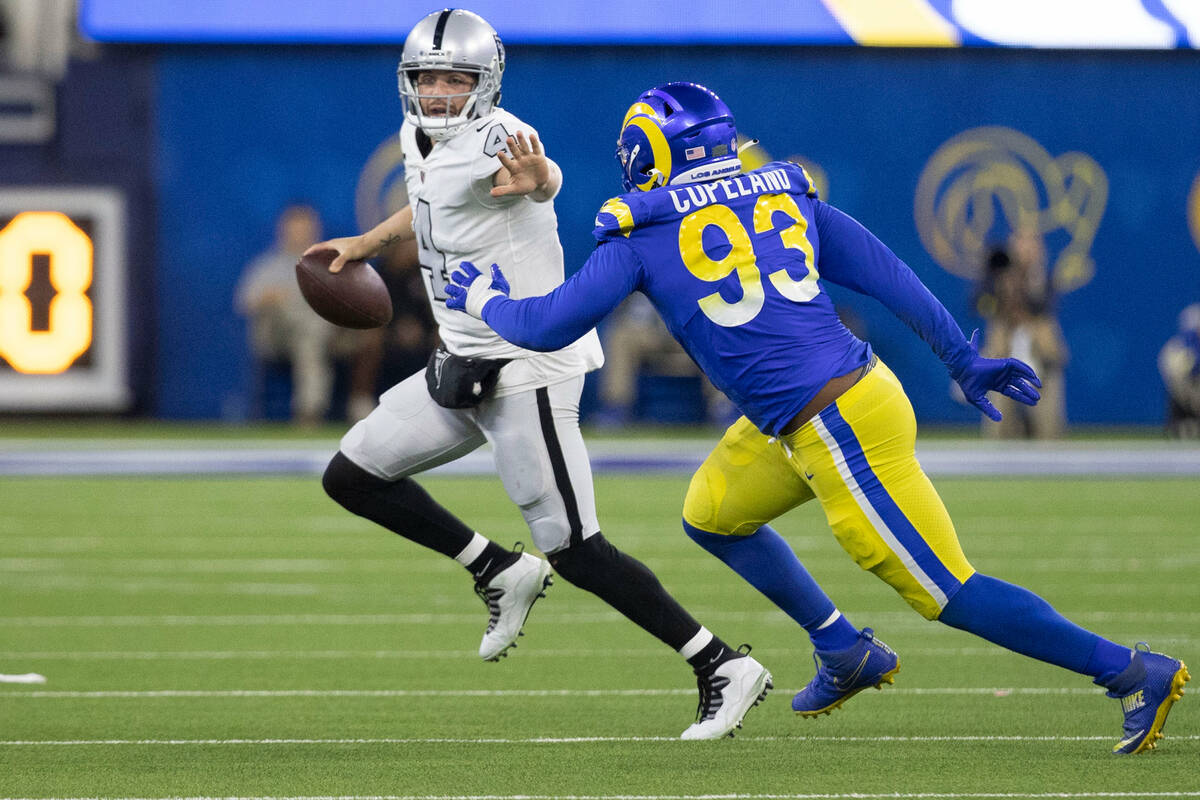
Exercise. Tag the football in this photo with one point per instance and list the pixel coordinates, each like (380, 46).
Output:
(355, 297)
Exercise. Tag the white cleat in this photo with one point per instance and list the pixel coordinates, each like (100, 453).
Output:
(726, 695)
(509, 595)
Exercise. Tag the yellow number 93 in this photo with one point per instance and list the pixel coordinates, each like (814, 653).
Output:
(741, 258)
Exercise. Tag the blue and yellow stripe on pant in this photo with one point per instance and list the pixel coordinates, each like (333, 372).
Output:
(857, 457)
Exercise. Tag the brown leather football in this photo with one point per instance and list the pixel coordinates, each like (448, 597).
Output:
(355, 297)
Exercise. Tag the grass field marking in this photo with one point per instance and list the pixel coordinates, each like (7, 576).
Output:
(222, 620)
(273, 693)
(173, 587)
(340, 655)
(122, 565)
(139, 456)
(989, 651)
(270, 693)
(823, 796)
(892, 618)
(550, 740)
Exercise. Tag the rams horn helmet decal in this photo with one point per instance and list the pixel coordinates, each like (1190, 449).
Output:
(674, 134)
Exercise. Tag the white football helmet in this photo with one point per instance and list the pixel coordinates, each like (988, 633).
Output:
(451, 39)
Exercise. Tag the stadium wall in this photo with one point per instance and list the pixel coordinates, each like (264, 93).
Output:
(1101, 147)
(104, 136)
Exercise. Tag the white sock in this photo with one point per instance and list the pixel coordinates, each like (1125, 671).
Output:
(696, 643)
(834, 617)
(472, 550)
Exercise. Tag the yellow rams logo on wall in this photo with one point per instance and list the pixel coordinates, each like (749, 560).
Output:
(1193, 210)
(993, 177)
(381, 190)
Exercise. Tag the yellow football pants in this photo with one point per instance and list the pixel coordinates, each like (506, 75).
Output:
(857, 457)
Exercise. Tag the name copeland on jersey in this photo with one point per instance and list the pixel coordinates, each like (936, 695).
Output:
(698, 195)
(456, 219)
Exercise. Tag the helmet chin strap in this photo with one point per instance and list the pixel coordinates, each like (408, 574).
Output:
(440, 132)
(450, 125)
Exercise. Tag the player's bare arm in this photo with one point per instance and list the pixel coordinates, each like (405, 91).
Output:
(525, 170)
(396, 228)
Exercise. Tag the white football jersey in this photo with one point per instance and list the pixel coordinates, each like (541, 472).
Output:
(456, 219)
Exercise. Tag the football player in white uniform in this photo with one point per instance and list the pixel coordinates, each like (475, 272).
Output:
(480, 189)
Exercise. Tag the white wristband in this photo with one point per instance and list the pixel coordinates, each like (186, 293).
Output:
(478, 293)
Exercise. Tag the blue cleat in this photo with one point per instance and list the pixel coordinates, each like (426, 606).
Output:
(841, 674)
(1147, 689)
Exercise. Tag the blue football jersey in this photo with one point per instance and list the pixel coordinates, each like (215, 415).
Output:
(731, 266)
(734, 267)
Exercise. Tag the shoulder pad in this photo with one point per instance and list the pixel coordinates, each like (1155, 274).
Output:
(810, 187)
(615, 218)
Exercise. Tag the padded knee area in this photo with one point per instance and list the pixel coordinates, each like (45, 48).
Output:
(548, 524)
(745, 482)
(600, 568)
(698, 506)
(345, 481)
(586, 564)
(401, 506)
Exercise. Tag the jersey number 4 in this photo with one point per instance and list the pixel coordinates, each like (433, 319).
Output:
(742, 259)
(430, 257)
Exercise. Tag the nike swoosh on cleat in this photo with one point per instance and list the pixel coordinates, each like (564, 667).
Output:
(1121, 745)
(858, 671)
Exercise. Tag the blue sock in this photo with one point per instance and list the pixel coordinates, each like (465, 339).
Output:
(1017, 619)
(768, 564)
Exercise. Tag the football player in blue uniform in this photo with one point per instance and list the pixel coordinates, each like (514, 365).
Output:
(733, 263)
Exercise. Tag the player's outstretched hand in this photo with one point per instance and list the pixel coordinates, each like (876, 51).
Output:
(1009, 376)
(469, 290)
(527, 166)
(348, 248)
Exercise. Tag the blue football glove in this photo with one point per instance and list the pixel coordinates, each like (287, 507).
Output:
(1009, 376)
(469, 290)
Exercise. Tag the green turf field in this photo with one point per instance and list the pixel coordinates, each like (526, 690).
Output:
(219, 638)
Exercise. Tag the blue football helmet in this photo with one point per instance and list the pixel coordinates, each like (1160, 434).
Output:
(674, 134)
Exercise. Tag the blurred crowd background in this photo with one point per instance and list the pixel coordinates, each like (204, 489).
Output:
(1038, 168)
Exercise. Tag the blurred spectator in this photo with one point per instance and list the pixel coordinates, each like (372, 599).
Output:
(637, 343)
(1179, 365)
(282, 326)
(1017, 303)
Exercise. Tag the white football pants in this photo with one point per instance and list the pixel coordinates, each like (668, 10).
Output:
(538, 448)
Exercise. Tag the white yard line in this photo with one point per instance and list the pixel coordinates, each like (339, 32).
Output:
(532, 740)
(10, 656)
(893, 619)
(547, 740)
(91, 567)
(181, 620)
(805, 796)
(378, 693)
(51, 457)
